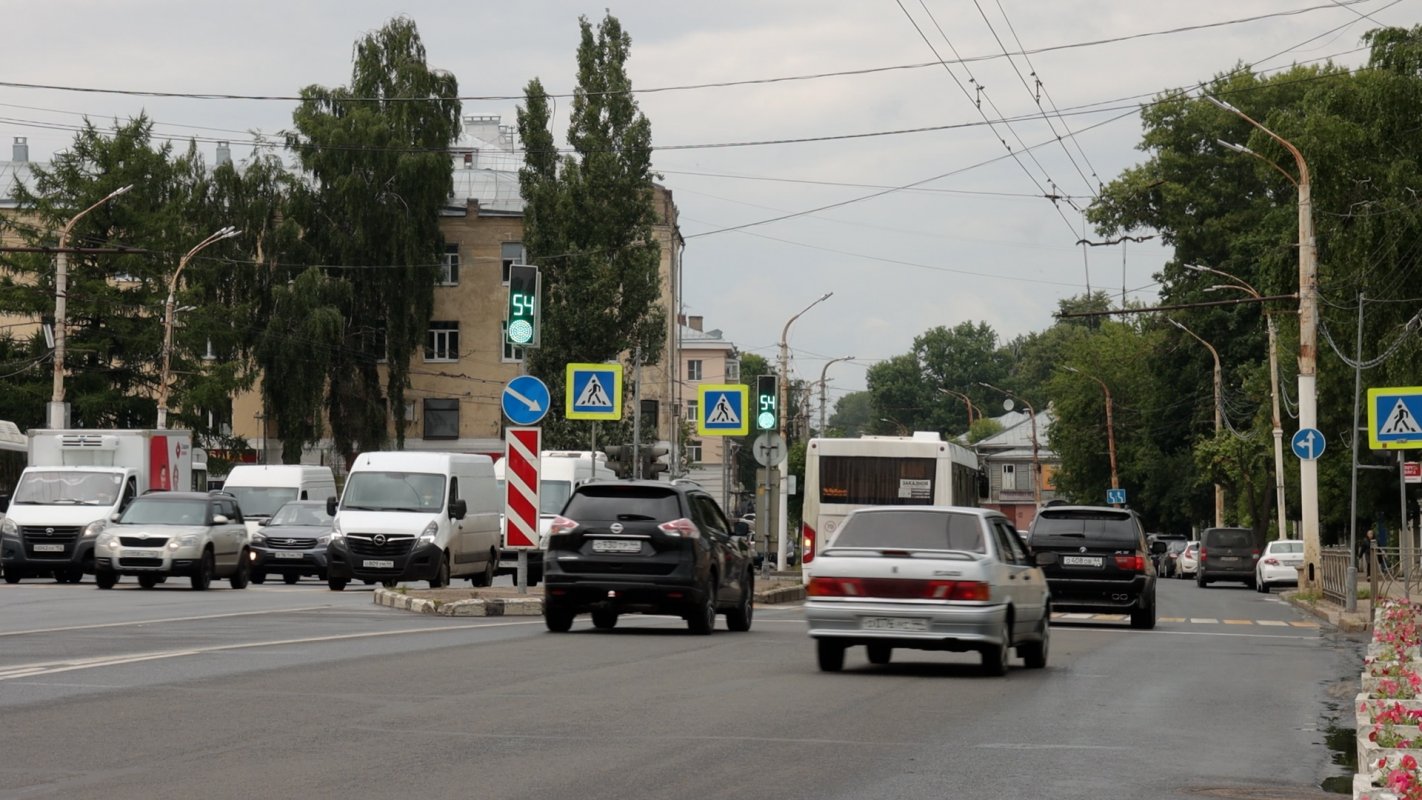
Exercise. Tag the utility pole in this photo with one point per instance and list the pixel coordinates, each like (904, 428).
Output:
(636, 413)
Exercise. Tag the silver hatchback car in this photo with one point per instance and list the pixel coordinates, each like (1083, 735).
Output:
(163, 534)
(929, 578)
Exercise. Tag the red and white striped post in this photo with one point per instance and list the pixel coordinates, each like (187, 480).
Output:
(521, 464)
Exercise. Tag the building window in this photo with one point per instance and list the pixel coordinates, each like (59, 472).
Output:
(510, 253)
(512, 353)
(693, 408)
(441, 418)
(651, 414)
(693, 370)
(733, 370)
(443, 342)
(693, 452)
(1009, 477)
(449, 266)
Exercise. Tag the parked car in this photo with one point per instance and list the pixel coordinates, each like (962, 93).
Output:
(1104, 562)
(929, 578)
(1167, 563)
(1278, 564)
(1227, 554)
(293, 542)
(165, 534)
(1189, 560)
(641, 546)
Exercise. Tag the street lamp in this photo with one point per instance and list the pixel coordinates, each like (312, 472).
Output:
(1219, 411)
(1110, 423)
(1243, 286)
(225, 233)
(822, 388)
(784, 505)
(1036, 461)
(966, 400)
(57, 415)
(1308, 340)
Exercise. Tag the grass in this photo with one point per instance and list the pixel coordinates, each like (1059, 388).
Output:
(1310, 596)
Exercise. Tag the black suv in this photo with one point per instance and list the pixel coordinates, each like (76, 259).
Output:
(1227, 554)
(647, 547)
(1104, 563)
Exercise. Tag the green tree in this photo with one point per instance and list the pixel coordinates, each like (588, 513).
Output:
(853, 415)
(588, 220)
(377, 155)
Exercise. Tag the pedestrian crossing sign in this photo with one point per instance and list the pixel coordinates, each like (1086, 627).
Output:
(1395, 418)
(722, 410)
(594, 391)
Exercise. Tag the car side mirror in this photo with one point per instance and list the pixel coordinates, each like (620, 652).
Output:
(330, 506)
(458, 509)
(219, 519)
(114, 517)
(261, 523)
(1046, 559)
(740, 529)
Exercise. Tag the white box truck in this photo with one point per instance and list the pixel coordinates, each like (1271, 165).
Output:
(75, 480)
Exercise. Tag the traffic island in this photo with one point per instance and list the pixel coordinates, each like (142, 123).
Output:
(505, 601)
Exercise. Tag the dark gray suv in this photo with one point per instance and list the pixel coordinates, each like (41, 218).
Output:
(1227, 554)
(646, 547)
(1103, 565)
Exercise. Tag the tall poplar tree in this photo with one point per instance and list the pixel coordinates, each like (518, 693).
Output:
(377, 154)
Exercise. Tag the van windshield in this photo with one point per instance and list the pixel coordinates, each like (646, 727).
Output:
(553, 495)
(260, 501)
(394, 491)
(68, 488)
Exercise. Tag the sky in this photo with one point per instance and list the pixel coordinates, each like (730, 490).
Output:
(901, 189)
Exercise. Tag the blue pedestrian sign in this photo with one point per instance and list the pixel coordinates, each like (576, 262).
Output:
(1308, 444)
(1116, 497)
(1395, 418)
(594, 391)
(722, 410)
(525, 400)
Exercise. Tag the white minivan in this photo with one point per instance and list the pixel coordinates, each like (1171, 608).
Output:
(261, 489)
(407, 516)
(559, 473)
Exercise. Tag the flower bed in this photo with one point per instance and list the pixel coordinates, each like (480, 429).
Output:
(1389, 709)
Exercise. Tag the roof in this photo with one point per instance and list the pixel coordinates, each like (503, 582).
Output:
(1019, 435)
(692, 339)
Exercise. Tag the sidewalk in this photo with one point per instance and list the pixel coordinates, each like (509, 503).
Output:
(1335, 614)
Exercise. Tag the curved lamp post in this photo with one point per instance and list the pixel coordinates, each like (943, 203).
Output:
(225, 233)
(823, 372)
(784, 505)
(1036, 461)
(966, 401)
(1219, 410)
(1110, 423)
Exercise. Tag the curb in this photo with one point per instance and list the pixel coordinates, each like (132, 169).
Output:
(529, 606)
(1342, 620)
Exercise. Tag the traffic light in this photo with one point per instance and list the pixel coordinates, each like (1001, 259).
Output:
(619, 460)
(767, 403)
(524, 302)
(652, 465)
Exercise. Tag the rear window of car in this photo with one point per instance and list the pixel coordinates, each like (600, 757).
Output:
(1176, 546)
(912, 530)
(623, 502)
(1229, 537)
(1084, 524)
(1286, 547)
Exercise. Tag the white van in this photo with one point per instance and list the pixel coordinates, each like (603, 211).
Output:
(560, 472)
(262, 489)
(415, 517)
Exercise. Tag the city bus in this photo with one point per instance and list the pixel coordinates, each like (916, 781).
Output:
(844, 474)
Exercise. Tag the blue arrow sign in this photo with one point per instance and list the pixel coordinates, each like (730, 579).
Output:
(1116, 497)
(525, 400)
(1308, 444)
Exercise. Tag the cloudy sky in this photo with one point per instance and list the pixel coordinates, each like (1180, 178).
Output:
(906, 203)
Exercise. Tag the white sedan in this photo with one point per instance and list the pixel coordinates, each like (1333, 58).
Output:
(1189, 561)
(929, 578)
(1278, 564)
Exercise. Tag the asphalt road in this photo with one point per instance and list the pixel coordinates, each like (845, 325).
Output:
(298, 691)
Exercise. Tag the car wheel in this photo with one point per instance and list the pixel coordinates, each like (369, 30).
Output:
(1143, 618)
(739, 618)
(290, 579)
(390, 584)
(1200, 579)
(995, 655)
(148, 581)
(604, 619)
(1034, 654)
(106, 580)
(12, 577)
(241, 576)
(880, 653)
(258, 576)
(558, 620)
(702, 620)
(441, 577)
(486, 578)
(830, 654)
(202, 579)
(336, 584)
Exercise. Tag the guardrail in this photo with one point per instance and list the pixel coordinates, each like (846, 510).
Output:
(1387, 575)
(1334, 563)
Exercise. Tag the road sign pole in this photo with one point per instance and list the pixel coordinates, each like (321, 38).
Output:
(1404, 531)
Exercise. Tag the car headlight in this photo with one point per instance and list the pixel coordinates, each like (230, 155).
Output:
(259, 538)
(9, 528)
(190, 540)
(93, 529)
(427, 536)
(108, 540)
(324, 539)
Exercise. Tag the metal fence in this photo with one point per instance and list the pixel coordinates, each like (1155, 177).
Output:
(1334, 562)
(1386, 575)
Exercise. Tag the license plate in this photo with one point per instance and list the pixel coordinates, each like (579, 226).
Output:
(143, 554)
(283, 554)
(616, 546)
(49, 548)
(1081, 561)
(378, 564)
(1229, 558)
(893, 624)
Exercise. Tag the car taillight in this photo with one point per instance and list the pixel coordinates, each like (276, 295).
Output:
(898, 589)
(1131, 563)
(1202, 554)
(561, 525)
(680, 527)
(1255, 554)
(835, 587)
(807, 540)
(1271, 561)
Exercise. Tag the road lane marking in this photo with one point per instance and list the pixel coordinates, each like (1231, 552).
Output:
(1275, 622)
(1239, 622)
(1204, 620)
(195, 618)
(1027, 746)
(1304, 624)
(1171, 619)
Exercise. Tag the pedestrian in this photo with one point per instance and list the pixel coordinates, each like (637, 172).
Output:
(1365, 548)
